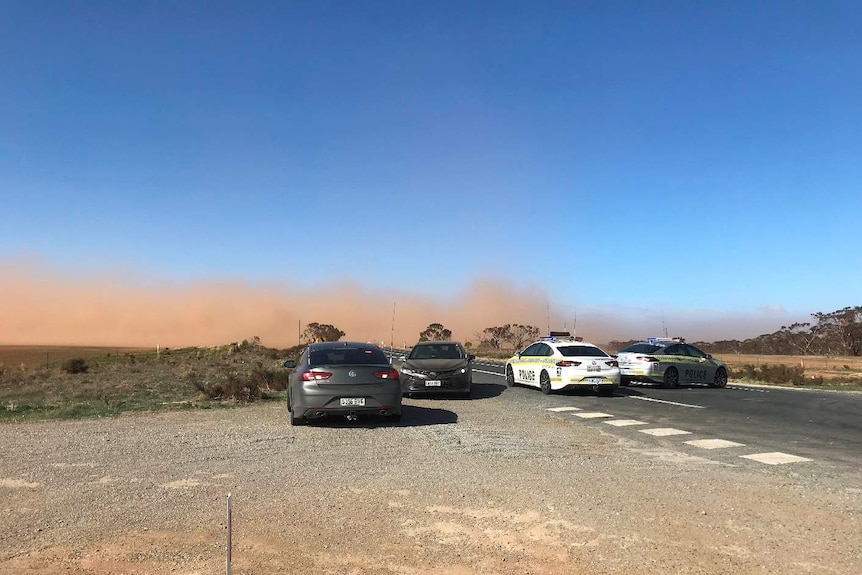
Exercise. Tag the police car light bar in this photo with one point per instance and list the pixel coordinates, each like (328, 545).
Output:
(655, 340)
(555, 335)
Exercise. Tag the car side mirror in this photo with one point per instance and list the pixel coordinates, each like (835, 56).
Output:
(471, 357)
(289, 364)
(709, 356)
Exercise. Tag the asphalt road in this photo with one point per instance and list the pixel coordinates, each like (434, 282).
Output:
(775, 425)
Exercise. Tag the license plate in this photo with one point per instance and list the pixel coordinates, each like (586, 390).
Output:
(433, 383)
(594, 368)
(594, 380)
(352, 401)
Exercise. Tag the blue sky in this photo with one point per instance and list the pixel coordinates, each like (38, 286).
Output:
(615, 155)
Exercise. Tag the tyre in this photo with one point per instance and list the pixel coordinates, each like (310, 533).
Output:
(624, 381)
(394, 418)
(720, 379)
(510, 376)
(607, 391)
(545, 383)
(671, 378)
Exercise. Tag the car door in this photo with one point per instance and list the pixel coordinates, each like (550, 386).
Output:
(701, 368)
(525, 370)
(673, 356)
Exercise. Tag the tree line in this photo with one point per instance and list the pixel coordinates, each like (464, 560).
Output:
(834, 333)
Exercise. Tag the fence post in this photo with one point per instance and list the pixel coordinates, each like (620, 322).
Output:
(229, 529)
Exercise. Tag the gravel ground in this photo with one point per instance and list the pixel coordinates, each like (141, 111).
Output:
(460, 487)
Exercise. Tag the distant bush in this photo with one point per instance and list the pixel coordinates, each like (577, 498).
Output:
(775, 374)
(244, 389)
(75, 365)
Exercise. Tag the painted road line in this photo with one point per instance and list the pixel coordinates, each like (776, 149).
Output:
(559, 409)
(625, 422)
(593, 415)
(775, 458)
(664, 431)
(489, 372)
(667, 402)
(714, 443)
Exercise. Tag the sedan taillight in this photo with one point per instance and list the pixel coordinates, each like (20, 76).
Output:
(612, 363)
(646, 358)
(568, 363)
(386, 374)
(315, 375)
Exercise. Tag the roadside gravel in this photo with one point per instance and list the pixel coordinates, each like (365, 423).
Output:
(460, 487)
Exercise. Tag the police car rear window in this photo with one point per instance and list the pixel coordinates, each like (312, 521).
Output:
(581, 351)
(641, 348)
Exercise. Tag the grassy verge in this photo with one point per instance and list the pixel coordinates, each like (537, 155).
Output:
(115, 383)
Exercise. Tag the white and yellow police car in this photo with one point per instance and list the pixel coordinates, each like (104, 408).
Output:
(669, 362)
(561, 361)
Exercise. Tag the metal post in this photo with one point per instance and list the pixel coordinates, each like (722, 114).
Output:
(229, 529)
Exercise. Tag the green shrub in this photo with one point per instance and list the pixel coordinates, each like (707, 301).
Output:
(75, 365)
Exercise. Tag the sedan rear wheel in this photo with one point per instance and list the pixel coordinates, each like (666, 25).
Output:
(510, 376)
(720, 378)
(545, 383)
(671, 378)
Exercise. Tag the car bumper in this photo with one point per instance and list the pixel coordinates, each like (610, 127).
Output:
(640, 374)
(594, 381)
(455, 384)
(314, 401)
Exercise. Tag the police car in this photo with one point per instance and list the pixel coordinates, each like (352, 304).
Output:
(561, 361)
(669, 362)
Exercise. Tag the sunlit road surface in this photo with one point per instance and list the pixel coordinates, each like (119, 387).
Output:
(740, 423)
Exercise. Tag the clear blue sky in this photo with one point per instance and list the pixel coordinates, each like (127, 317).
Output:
(637, 154)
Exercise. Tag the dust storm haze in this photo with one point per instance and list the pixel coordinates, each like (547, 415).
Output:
(41, 306)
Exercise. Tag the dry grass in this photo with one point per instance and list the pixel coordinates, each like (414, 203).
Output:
(47, 356)
(827, 367)
(118, 380)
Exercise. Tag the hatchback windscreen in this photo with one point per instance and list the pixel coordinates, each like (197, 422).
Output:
(348, 356)
(581, 351)
(436, 352)
(641, 348)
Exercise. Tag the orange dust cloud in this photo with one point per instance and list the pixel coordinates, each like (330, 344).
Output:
(42, 305)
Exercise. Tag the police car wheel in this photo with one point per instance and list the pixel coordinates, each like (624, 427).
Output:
(624, 381)
(671, 378)
(510, 376)
(545, 383)
(720, 379)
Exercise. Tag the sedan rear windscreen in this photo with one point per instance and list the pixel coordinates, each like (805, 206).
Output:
(348, 356)
(641, 348)
(581, 351)
(436, 351)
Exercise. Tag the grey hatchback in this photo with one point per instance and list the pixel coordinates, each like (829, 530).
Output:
(345, 379)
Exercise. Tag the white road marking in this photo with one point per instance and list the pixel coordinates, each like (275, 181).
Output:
(775, 458)
(490, 372)
(559, 409)
(664, 431)
(593, 415)
(667, 402)
(625, 422)
(714, 443)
